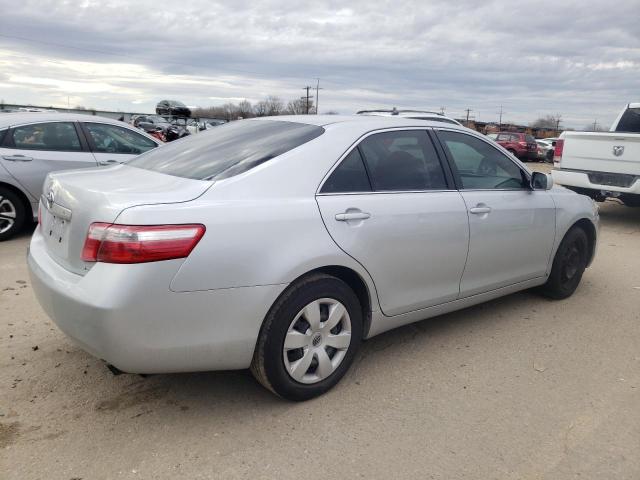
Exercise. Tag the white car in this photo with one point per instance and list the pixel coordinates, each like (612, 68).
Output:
(280, 243)
(603, 164)
(414, 114)
(34, 144)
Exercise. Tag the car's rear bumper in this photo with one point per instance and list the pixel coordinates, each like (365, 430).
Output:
(126, 315)
(580, 179)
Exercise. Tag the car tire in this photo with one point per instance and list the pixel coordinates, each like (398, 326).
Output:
(291, 353)
(568, 265)
(12, 214)
(630, 200)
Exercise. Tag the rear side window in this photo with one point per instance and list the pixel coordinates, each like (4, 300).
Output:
(227, 150)
(403, 161)
(350, 176)
(114, 139)
(630, 121)
(55, 136)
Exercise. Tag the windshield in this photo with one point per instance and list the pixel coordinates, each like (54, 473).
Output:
(227, 150)
(630, 121)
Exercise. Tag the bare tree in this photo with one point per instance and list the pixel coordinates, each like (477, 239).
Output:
(299, 107)
(245, 109)
(548, 121)
(271, 105)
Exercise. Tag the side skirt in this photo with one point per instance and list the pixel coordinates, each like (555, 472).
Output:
(381, 323)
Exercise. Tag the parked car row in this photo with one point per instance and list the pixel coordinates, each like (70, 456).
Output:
(525, 146)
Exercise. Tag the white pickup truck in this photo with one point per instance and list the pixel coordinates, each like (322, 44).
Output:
(602, 164)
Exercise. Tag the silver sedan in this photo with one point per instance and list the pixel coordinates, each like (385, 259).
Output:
(281, 243)
(33, 144)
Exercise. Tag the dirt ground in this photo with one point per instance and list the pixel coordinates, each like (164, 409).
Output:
(518, 388)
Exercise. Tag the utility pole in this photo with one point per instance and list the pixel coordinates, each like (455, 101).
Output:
(500, 122)
(468, 110)
(442, 110)
(595, 123)
(307, 88)
(317, 88)
(558, 118)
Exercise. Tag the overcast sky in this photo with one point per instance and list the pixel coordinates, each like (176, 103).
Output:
(580, 59)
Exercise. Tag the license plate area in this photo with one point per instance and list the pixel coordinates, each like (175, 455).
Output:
(55, 227)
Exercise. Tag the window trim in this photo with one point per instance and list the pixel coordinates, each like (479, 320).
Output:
(449, 179)
(92, 144)
(9, 142)
(495, 146)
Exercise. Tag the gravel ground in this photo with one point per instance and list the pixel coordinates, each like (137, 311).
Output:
(518, 388)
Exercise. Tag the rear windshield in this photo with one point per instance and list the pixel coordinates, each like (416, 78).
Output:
(630, 121)
(228, 149)
(530, 139)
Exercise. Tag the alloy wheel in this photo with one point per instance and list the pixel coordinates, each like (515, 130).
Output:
(317, 341)
(8, 214)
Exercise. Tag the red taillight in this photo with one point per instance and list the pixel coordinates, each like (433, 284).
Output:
(112, 243)
(557, 153)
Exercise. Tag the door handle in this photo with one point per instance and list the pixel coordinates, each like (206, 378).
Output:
(104, 163)
(346, 216)
(17, 158)
(480, 209)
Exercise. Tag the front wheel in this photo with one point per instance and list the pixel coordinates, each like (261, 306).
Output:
(309, 338)
(568, 265)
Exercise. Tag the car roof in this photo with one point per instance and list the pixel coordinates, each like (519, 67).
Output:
(370, 122)
(21, 118)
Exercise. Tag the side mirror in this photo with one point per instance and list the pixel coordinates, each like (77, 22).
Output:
(541, 181)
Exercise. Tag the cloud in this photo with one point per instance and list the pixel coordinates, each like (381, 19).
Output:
(532, 58)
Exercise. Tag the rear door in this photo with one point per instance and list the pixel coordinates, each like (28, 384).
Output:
(512, 228)
(31, 151)
(113, 144)
(389, 205)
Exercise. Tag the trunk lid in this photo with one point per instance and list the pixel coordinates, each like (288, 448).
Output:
(72, 200)
(602, 152)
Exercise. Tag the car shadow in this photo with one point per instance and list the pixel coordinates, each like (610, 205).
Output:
(238, 394)
(619, 217)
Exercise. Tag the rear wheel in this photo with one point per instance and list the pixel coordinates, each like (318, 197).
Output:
(568, 265)
(309, 338)
(12, 214)
(630, 200)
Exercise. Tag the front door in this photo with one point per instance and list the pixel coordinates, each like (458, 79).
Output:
(30, 152)
(389, 206)
(512, 228)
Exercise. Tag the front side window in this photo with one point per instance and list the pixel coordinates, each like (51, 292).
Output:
(402, 161)
(227, 150)
(479, 165)
(54, 136)
(350, 176)
(114, 139)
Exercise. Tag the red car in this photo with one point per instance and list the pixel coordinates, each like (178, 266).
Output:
(521, 145)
